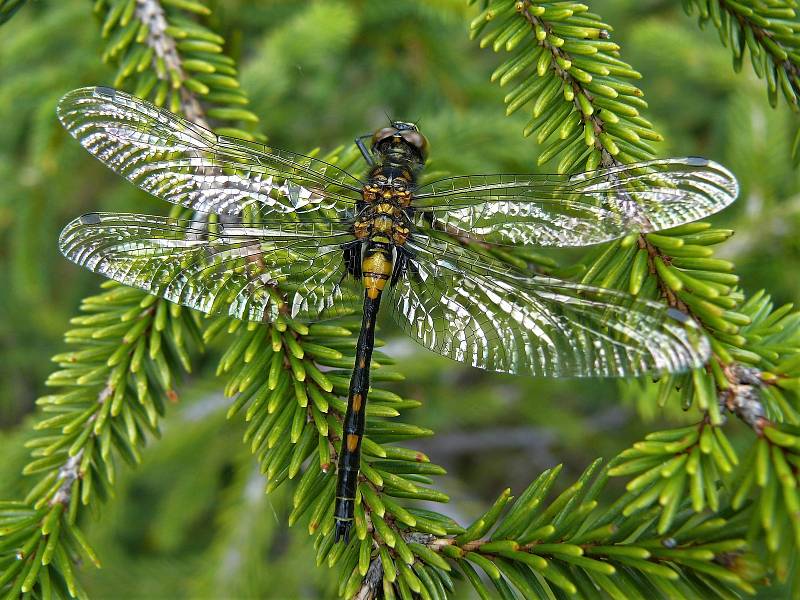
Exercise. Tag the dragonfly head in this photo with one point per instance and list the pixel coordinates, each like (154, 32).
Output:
(400, 133)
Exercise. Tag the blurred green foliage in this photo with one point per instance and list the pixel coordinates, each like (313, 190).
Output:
(318, 74)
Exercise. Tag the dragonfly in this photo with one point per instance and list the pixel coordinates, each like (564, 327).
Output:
(273, 233)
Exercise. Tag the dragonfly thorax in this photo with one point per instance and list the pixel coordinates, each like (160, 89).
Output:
(383, 217)
(384, 222)
(388, 188)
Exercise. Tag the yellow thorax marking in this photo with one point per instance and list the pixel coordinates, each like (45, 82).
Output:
(372, 193)
(382, 225)
(383, 221)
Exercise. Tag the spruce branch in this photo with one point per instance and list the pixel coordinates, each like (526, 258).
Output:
(8, 8)
(584, 106)
(572, 545)
(291, 383)
(677, 265)
(127, 346)
(769, 32)
(574, 83)
(164, 54)
(667, 464)
(699, 458)
(166, 60)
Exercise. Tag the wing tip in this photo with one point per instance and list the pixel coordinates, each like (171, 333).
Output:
(730, 184)
(680, 316)
(103, 91)
(91, 218)
(697, 161)
(65, 237)
(695, 341)
(68, 101)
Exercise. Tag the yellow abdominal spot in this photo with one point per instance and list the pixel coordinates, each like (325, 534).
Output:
(376, 264)
(352, 442)
(375, 270)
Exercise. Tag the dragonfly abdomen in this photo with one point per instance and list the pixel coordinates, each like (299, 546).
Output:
(376, 269)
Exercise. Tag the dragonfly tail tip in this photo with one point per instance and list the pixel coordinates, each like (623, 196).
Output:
(341, 531)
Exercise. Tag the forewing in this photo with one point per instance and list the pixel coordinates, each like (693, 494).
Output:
(576, 210)
(254, 273)
(189, 165)
(477, 311)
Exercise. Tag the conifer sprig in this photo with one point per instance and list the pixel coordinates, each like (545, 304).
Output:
(767, 31)
(770, 33)
(112, 385)
(8, 8)
(757, 378)
(584, 107)
(586, 111)
(164, 54)
(127, 346)
(677, 265)
(571, 545)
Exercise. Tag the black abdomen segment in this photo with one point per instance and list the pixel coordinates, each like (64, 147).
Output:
(354, 421)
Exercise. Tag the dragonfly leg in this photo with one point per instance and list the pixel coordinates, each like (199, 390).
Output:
(404, 263)
(351, 254)
(364, 150)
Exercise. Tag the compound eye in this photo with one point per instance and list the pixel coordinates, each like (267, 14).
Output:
(416, 139)
(383, 133)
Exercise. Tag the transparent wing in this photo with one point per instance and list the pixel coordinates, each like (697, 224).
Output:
(477, 311)
(576, 210)
(252, 272)
(188, 165)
